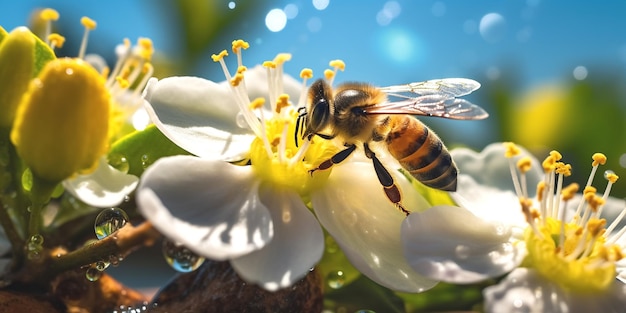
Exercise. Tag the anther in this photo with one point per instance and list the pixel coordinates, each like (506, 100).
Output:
(598, 159)
(269, 64)
(49, 14)
(282, 102)
(89, 25)
(524, 164)
(56, 41)
(511, 150)
(306, 73)
(218, 57)
(239, 44)
(257, 103)
(236, 80)
(338, 65)
(282, 58)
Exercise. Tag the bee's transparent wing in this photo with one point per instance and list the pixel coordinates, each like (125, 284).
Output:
(432, 105)
(451, 87)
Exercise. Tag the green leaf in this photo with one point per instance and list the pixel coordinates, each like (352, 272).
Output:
(43, 55)
(142, 148)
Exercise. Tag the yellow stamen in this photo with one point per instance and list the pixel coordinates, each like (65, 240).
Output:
(306, 73)
(570, 191)
(239, 44)
(88, 23)
(541, 188)
(49, 14)
(282, 58)
(241, 69)
(257, 103)
(511, 150)
(564, 169)
(598, 159)
(329, 74)
(612, 177)
(218, 57)
(236, 80)
(556, 155)
(56, 40)
(283, 101)
(524, 164)
(146, 48)
(338, 64)
(269, 64)
(123, 82)
(596, 226)
(548, 164)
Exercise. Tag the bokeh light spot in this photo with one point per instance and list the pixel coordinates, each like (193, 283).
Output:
(276, 20)
(399, 46)
(492, 27)
(314, 24)
(232, 5)
(493, 73)
(321, 4)
(390, 10)
(438, 9)
(291, 10)
(580, 72)
(622, 160)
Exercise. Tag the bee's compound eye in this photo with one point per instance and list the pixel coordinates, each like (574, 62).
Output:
(319, 115)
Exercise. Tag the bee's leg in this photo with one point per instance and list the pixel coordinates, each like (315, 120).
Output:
(384, 177)
(335, 159)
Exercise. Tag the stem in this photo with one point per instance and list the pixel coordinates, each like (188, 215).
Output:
(40, 195)
(123, 241)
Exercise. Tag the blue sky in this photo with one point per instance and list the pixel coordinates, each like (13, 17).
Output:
(390, 42)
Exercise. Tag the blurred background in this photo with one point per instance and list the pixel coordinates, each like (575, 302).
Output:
(553, 75)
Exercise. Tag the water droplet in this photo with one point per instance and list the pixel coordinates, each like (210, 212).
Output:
(145, 161)
(27, 179)
(119, 162)
(93, 274)
(608, 173)
(241, 121)
(336, 279)
(462, 251)
(109, 221)
(36, 239)
(115, 260)
(181, 258)
(102, 265)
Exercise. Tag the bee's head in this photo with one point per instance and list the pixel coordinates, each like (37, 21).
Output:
(319, 111)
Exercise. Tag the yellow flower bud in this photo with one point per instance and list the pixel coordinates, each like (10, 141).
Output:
(17, 55)
(61, 125)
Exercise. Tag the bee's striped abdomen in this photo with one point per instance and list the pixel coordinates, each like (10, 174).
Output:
(421, 153)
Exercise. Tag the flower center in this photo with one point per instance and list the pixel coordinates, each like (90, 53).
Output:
(275, 155)
(578, 254)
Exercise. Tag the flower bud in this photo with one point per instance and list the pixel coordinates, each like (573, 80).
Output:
(16, 70)
(61, 125)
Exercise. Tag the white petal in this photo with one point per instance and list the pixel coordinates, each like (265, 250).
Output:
(524, 290)
(256, 84)
(199, 116)
(297, 245)
(105, 187)
(491, 168)
(451, 244)
(211, 207)
(353, 207)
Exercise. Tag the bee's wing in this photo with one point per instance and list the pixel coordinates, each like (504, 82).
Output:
(431, 105)
(451, 87)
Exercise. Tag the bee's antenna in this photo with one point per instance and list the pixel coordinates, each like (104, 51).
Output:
(300, 124)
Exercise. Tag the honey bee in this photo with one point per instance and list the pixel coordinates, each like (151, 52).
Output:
(359, 113)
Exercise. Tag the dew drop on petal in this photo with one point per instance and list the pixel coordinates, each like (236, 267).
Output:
(608, 173)
(93, 274)
(336, 279)
(180, 258)
(119, 162)
(102, 265)
(109, 221)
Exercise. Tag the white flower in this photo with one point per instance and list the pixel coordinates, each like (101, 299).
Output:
(570, 260)
(254, 213)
